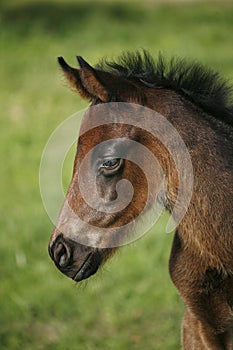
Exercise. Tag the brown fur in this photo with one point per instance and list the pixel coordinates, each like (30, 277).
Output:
(201, 263)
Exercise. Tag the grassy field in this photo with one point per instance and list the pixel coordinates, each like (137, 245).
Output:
(131, 303)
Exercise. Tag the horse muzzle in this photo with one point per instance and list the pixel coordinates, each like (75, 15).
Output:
(73, 259)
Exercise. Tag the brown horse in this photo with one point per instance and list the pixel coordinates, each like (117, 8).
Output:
(196, 102)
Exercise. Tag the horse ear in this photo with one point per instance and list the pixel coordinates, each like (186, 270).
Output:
(106, 85)
(92, 80)
(84, 80)
(73, 76)
(92, 83)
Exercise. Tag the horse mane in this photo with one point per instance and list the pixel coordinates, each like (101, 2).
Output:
(203, 86)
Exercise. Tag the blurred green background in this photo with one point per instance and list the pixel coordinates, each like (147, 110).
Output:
(131, 303)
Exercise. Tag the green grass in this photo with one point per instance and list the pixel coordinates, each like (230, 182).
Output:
(131, 303)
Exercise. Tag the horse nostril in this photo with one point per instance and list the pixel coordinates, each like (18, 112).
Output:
(61, 255)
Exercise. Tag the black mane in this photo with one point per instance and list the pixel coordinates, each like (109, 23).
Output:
(202, 86)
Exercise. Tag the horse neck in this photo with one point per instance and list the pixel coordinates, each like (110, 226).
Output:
(206, 227)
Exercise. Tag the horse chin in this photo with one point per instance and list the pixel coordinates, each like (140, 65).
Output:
(89, 266)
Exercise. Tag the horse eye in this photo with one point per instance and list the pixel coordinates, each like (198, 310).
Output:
(111, 164)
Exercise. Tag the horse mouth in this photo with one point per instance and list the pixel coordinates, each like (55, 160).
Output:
(89, 267)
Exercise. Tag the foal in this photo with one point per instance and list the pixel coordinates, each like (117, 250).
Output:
(196, 102)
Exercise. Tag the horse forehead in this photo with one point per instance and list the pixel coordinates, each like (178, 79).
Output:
(107, 121)
(105, 132)
(112, 112)
(94, 129)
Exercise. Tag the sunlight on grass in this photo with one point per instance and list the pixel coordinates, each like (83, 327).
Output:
(131, 303)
